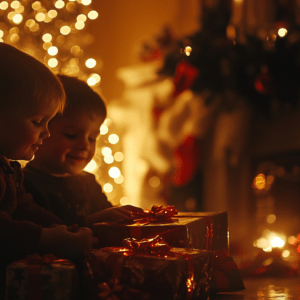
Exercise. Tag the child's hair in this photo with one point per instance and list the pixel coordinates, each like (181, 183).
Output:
(81, 97)
(25, 80)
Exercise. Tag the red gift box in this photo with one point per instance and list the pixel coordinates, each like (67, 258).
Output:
(148, 269)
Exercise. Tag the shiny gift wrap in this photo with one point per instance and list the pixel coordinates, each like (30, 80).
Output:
(183, 230)
(145, 270)
(41, 278)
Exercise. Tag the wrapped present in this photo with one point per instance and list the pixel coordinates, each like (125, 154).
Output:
(41, 278)
(148, 269)
(195, 230)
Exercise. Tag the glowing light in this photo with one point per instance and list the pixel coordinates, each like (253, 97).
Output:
(109, 159)
(268, 261)
(52, 13)
(15, 4)
(271, 218)
(282, 32)
(93, 15)
(40, 17)
(91, 166)
(103, 129)
(106, 151)
(65, 30)
(260, 182)
(47, 37)
(91, 81)
(286, 253)
(154, 181)
(298, 248)
(113, 138)
(30, 23)
(188, 50)
(81, 18)
(119, 156)
(96, 77)
(86, 2)
(17, 18)
(59, 4)
(4, 5)
(36, 5)
(47, 45)
(79, 25)
(11, 15)
(1, 33)
(119, 180)
(75, 50)
(124, 201)
(52, 62)
(114, 172)
(277, 242)
(14, 38)
(52, 51)
(108, 188)
(292, 240)
(90, 63)
(35, 27)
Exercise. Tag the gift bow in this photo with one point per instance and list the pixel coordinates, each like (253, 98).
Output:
(158, 213)
(150, 245)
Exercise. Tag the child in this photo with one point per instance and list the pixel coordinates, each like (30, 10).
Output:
(55, 177)
(30, 95)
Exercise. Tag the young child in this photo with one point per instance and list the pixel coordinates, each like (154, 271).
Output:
(30, 95)
(55, 177)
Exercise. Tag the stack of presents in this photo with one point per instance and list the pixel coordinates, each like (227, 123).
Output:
(161, 255)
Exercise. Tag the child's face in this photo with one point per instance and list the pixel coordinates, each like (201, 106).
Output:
(22, 130)
(71, 145)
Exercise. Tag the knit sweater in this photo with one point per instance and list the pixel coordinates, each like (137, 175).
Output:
(21, 220)
(71, 198)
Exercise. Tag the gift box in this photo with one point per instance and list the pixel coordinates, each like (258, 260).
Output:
(135, 274)
(183, 230)
(41, 278)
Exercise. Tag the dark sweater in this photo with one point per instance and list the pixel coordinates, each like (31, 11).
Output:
(71, 198)
(21, 220)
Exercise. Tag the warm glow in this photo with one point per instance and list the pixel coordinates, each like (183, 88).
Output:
(119, 180)
(269, 240)
(124, 201)
(52, 13)
(96, 77)
(93, 15)
(30, 23)
(15, 4)
(292, 240)
(271, 219)
(4, 5)
(46, 46)
(17, 18)
(286, 253)
(14, 38)
(1, 33)
(114, 172)
(47, 37)
(109, 159)
(59, 4)
(86, 2)
(188, 50)
(119, 156)
(65, 30)
(106, 151)
(107, 188)
(154, 181)
(103, 129)
(81, 18)
(52, 62)
(91, 81)
(282, 32)
(91, 166)
(90, 63)
(52, 51)
(79, 25)
(36, 5)
(260, 182)
(113, 138)
(40, 17)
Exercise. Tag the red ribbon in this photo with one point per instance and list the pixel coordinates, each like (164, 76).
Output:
(154, 246)
(34, 263)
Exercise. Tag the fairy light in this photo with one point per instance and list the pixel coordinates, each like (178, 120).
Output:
(79, 25)
(108, 188)
(113, 138)
(65, 30)
(4, 5)
(282, 32)
(59, 4)
(114, 172)
(106, 151)
(81, 18)
(92, 15)
(119, 156)
(154, 181)
(86, 2)
(90, 63)
(119, 180)
(103, 129)
(47, 37)
(52, 62)
(52, 51)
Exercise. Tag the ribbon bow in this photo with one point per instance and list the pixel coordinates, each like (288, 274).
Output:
(150, 245)
(157, 213)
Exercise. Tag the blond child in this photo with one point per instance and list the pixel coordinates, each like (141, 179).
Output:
(30, 95)
(56, 177)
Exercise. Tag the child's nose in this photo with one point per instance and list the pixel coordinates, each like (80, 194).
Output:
(45, 133)
(83, 144)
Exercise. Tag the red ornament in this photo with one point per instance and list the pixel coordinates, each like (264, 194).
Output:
(264, 83)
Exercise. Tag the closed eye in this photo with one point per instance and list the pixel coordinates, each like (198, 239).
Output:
(70, 136)
(36, 123)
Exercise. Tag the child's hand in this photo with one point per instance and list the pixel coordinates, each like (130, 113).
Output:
(65, 244)
(116, 213)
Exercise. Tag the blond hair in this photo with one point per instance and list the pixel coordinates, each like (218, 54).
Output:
(26, 81)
